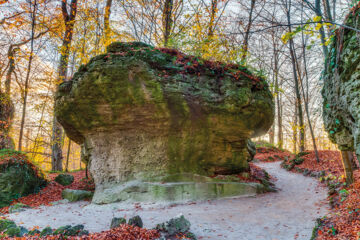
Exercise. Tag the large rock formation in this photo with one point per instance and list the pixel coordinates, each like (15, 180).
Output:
(155, 123)
(6, 116)
(341, 92)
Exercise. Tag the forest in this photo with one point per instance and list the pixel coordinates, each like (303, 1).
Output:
(179, 119)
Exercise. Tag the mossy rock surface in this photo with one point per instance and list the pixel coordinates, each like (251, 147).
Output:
(141, 112)
(341, 91)
(64, 179)
(116, 222)
(136, 221)
(76, 195)
(18, 207)
(178, 226)
(18, 177)
(5, 224)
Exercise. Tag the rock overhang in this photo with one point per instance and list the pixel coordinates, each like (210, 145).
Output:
(142, 111)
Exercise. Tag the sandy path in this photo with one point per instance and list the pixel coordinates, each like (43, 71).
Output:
(285, 215)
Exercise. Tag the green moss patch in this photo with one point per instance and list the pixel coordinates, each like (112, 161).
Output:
(18, 177)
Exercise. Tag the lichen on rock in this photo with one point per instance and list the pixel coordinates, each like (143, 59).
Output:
(341, 91)
(145, 114)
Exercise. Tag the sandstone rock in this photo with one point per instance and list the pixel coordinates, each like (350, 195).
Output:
(69, 230)
(175, 225)
(64, 179)
(46, 231)
(136, 221)
(5, 224)
(341, 106)
(115, 222)
(251, 149)
(146, 116)
(18, 207)
(13, 232)
(33, 232)
(76, 195)
(18, 177)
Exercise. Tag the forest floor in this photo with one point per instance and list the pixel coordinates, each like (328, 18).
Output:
(343, 221)
(287, 214)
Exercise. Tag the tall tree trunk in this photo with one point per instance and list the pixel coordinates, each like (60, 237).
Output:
(272, 134)
(11, 69)
(167, 20)
(354, 161)
(69, 20)
(296, 81)
(247, 32)
(295, 127)
(107, 14)
(278, 92)
(346, 160)
(279, 122)
(306, 98)
(213, 11)
(68, 156)
(26, 89)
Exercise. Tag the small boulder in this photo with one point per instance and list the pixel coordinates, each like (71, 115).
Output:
(6, 224)
(68, 230)
(33, 232)
(115, 222)
(19, 177)
(298, 160)
(62, 230)
(64, 179)
(46, 231)
(83, 232)
(306, 172)
(175, 226)
(23, 231)
(76, 195)
(13, 232)
(62, 201)
(75, 230)
(136, 221)
(18, 207)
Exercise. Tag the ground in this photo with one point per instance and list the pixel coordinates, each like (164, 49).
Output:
(287, 214)
(343, 222)
(52, 192)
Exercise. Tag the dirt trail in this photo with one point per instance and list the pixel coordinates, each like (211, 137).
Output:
(285, 215)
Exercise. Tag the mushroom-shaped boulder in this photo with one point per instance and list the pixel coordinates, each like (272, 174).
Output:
(156, 123)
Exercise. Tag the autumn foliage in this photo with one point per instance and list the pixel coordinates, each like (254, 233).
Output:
(123, 232)
(343, 222)
(52, 192)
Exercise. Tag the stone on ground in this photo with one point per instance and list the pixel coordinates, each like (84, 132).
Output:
(115, 222)
(18, 207)
(136, 221)
(175, 226)
(76, 195)
(64, 179)
(18, 177)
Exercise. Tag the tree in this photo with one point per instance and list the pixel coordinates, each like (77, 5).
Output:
(26, 89)
(107, 28)
(57, 135)
(167, 20)
(292, 52)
